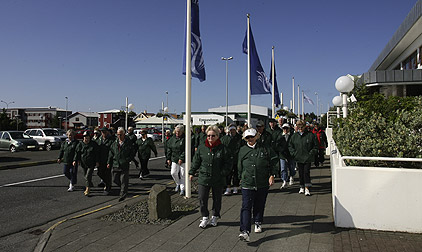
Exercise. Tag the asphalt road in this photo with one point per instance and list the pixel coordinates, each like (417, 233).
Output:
(35, 195)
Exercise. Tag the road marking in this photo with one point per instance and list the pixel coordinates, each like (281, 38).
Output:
(30, 181)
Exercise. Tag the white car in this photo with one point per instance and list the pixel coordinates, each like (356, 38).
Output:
(150, 133)
(46, 137)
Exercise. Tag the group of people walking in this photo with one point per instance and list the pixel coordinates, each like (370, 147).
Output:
(110, 153)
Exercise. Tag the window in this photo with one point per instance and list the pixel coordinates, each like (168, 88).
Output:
(77, 119)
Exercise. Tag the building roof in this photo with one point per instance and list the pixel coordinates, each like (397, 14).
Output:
(109, 111)
(85, 114)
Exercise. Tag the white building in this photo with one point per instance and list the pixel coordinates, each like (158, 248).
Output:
(83, 119)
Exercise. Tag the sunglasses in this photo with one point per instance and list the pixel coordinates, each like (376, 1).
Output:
(248, 137)
(210, 135)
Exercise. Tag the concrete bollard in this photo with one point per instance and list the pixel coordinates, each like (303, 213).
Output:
(159, 203)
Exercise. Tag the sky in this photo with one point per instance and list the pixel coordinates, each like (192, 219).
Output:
(99, 52)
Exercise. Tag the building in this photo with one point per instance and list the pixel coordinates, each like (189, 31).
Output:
(38, 117)
(83, 119)
(108, 118)
(398, 69)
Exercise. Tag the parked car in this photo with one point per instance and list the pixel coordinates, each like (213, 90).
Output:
(17, 141)
(151, 133)
(47, 138)
(79, 134)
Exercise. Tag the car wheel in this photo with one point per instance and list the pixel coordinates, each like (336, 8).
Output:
(47, 146)
(12, 148)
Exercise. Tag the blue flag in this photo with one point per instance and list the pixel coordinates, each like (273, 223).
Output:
(277, 101)
(259, 81)
(197, 65)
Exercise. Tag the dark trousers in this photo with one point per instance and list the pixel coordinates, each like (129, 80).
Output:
(105, 174)
(319, 157)
(121, 179)
(304, 174)
(233, 176)
(71, 172)
(253, 202)
(203, 195)
(144, 167)
(88, 171)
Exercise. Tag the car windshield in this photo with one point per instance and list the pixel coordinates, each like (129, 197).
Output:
(18, 135)
(51, 132)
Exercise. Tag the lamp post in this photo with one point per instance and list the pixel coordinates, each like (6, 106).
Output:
(7, 103)
(337, 102)
(316, 106)
(344, 85)
(167, 99)
(65, 126)
(227, 87)
(128, 107)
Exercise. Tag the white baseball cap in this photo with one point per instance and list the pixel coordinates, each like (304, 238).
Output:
(286, 125)
(249, 132)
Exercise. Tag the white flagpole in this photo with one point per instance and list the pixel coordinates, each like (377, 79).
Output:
(303, 106)
(272, 77)
(298, 101)
(249, 75)
(188, 100)
(293, 88)
(281, 99)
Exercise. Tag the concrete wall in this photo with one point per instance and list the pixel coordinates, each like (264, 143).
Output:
(377, 198)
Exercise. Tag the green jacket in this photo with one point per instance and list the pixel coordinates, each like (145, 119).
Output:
(176, 149)
(104, 145)
(120, 156)
(213, 165)
(256, 165)
(275, 138)
(200, 139)
(233, 144)
(132, 137)
(283, 147)
(144, 148)
(67, 151)
(303, 148)
(87, 154)
(266, 139)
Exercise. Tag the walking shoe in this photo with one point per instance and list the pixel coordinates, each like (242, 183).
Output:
(71, 188)
(244, 236)
(258, 228)
(86, 193)
(228, 191)
(235, 190)
(291, 181)
(182, 192)
(307, 193)
(214, 220)
(177, 188)
(101, 184)
(284, 185)
(302, 190)
(122, 198)
(204, 222)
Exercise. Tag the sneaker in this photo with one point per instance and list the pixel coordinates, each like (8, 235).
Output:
(302, 190)
(235, 190)
(307, 193)
(214, 220)
(244, 236)
(204, 222)
(177, 188)
(86, 193)
(228, 191)
(140, 176)
(291, 181)
(71, 188)
(182, 192)
(284, 185)
(258, 228)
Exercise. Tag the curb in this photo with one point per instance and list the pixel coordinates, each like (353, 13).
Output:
(20, 165)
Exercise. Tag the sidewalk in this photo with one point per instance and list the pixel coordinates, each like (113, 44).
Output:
(292, 222)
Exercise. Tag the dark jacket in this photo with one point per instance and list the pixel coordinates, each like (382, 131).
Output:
(266, 139)
(176, 149)
(104, 145)
(321, 137)
(256, 165)
(283, 147)
(303, 148)
(200, 139)
(144, 148)
(212, 164)
(233, 144)
(67, 151)
(87, 154)
(276, 134)
(120, 156)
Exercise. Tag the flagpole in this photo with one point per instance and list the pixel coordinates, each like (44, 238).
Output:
(298, 101)
(272, 78)
(249, 73)
(188, 100)
(303, 106)
(293, 88)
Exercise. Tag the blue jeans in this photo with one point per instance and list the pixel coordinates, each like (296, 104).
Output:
(71, 172)
(252, 199)
(287, 166)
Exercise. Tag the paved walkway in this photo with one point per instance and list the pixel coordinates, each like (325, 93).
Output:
(292, 222)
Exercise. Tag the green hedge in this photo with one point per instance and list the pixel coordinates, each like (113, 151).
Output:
(379, 127)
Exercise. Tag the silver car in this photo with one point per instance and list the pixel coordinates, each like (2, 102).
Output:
(16, 141)
(46, 137)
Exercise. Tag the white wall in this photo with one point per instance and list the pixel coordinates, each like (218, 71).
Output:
(377, 198)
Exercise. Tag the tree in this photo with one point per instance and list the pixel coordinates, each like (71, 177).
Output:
(4, 121)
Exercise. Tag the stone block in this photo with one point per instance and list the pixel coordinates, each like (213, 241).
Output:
(159, 203)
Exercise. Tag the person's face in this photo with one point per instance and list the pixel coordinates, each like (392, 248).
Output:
(212, 137)
(280, 121)
(260, 128)
(104, 134)
(69, 136)
(272, 125)
(144, 135)
(121, 135)
(233, 132)
(285, 130)
(87, 139)
(178, 133)
(251, 140)
(301, 128)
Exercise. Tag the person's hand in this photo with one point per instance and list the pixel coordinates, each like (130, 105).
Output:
(180, 162)
(108, 166)
(190, 177)
(169, 162)
(271, 180)
(59, 160)
(74, 163)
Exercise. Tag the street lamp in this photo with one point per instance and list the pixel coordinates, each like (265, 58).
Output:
(7, 103)
(65, 126)
(227, 87)
(316, 106)
(128, 107)
(167, 99)
(344, 85)
(337, 102)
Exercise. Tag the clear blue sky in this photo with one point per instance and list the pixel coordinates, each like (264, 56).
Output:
(98, 52)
